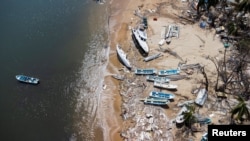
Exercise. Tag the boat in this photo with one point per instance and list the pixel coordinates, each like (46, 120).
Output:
(168, 72)
(145, 71)
(156, 101)
(157, 78)
(180, 104)
(161, 95)
(201, 97)
(204, 137)
(165, 85)
(118, 77)
(180, 116)
(122, 56)
(140, 36)
(152, 57)
(27, 79)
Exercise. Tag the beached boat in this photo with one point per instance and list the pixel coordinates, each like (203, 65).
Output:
(162, 95)
(180, 116)
(157, 78)
(27, 79)
(140, 36)
(201, 97)
(118, 77)
(165, 85)
(145, 71)
(152, 57)
(155, 101)
(180, 104)
(168, 72)
(122, 56)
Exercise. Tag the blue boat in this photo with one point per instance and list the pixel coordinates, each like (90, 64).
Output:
(157, 78)
(161, 95)
(168, 72)
(27, 79)
(156, 101)
(145, 71)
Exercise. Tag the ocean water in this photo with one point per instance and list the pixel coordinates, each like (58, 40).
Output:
(64, 43)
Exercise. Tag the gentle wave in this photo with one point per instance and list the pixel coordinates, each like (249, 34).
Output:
(90, 82)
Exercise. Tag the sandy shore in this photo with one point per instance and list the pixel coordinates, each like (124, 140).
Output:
(194, 45)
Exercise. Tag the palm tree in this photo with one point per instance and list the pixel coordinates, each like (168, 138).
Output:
(189, 117)
(240, 111)
(243, 5)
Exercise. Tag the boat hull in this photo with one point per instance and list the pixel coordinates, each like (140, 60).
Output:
(27, 79)
(161, 95)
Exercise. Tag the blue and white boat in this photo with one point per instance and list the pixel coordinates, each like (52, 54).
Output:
(157, 78)
(168, 72)
(156, 101)
(161, 95)
(145, 71)
(27, 79)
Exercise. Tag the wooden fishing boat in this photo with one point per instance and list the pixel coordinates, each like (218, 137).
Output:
(27, 79)
(165, 85)
(145, 71)
(155, 101)
(168, 72)
(157, 78)
(161, 95)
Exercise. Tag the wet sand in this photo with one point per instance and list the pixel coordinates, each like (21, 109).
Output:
(194, 45)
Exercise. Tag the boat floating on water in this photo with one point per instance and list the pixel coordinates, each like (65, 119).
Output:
(27, 79)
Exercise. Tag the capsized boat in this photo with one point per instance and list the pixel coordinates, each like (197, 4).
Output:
(122, 56)
(27, 79)
(161, 95)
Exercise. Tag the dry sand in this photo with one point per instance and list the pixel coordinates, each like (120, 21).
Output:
(194, 45)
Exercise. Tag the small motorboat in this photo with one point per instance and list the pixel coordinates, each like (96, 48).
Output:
(27, 79)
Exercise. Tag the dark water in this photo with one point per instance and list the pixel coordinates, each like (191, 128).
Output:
(56, 41)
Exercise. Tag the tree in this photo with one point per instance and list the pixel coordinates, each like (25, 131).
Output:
(240, 111)
(207, 4)
(189, 117)
(243, 5)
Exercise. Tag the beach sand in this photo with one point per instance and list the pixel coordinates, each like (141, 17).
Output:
(194, 45)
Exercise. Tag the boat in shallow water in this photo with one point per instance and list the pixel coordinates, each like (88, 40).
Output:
(27, 79)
